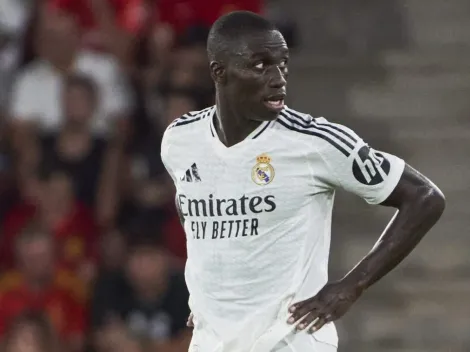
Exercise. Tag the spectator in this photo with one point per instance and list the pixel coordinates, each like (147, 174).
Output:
(175, 41)
(59, 54)
(150, 191)
(36, 95)
(184, 15)
(38, 284)
(30, 332)
(113, 252)
(117, 338)
(111, 25)
(92, 161)
(14, 18)
(74, 148)
(58, 212)
(149, 300)
(149, 186)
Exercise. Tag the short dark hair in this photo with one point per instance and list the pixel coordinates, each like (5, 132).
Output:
(233, 26)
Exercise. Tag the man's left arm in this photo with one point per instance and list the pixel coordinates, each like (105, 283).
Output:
(419, 205)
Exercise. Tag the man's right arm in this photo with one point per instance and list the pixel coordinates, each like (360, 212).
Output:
(164, 153)
(178, 209)
(189, 323)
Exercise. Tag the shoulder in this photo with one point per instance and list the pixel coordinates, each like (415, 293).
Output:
(184, 130)
(187, 124)
(319, 132)
(96, 59)
(30, 73)
(100, 66)
(191, 118)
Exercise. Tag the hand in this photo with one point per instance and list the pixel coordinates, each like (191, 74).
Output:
(330, 304)
(190, 322)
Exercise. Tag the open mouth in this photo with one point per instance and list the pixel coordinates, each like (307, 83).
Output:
(275, 102)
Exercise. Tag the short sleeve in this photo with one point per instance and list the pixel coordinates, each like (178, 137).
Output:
(22, 106)
(165, 155)
(351, 164)
(116, 94)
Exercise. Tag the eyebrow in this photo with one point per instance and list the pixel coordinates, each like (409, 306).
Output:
(258, 54)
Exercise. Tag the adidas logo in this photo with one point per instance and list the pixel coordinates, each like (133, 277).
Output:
(191, 174)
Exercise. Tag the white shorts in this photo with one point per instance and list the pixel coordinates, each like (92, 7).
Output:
(294, 342)
(303, 342)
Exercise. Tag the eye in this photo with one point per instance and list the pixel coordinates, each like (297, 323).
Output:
(259, 65)
(283, 64)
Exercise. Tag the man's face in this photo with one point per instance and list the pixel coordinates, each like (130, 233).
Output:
(36, 257)
(25, 337)
(79, 106)
(256, 75)
(58, 195)
(57, 37)
(146, 266)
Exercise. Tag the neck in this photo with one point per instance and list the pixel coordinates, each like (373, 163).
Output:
(75, 129)
(64, 65)
(231, 125)
(63, 62)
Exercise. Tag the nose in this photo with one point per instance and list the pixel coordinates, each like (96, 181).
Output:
(277, 78)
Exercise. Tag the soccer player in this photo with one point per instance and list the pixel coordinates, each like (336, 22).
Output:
(255, 185)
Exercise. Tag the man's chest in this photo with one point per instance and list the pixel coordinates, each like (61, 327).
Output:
(249, 182)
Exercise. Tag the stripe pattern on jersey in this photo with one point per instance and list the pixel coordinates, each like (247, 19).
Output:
(254, 137)
(262, 130)
(191, 117)
(336, 135)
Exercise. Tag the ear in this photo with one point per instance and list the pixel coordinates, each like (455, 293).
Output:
(218, 72)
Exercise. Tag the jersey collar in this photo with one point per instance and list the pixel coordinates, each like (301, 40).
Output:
(253, 135)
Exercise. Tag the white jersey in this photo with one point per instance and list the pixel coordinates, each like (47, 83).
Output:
(258, 218)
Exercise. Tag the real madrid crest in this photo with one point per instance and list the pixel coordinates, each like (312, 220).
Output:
(263, 172)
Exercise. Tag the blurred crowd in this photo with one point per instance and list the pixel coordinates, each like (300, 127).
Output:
(91, 249)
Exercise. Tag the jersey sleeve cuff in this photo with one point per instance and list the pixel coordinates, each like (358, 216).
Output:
(391, 184)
